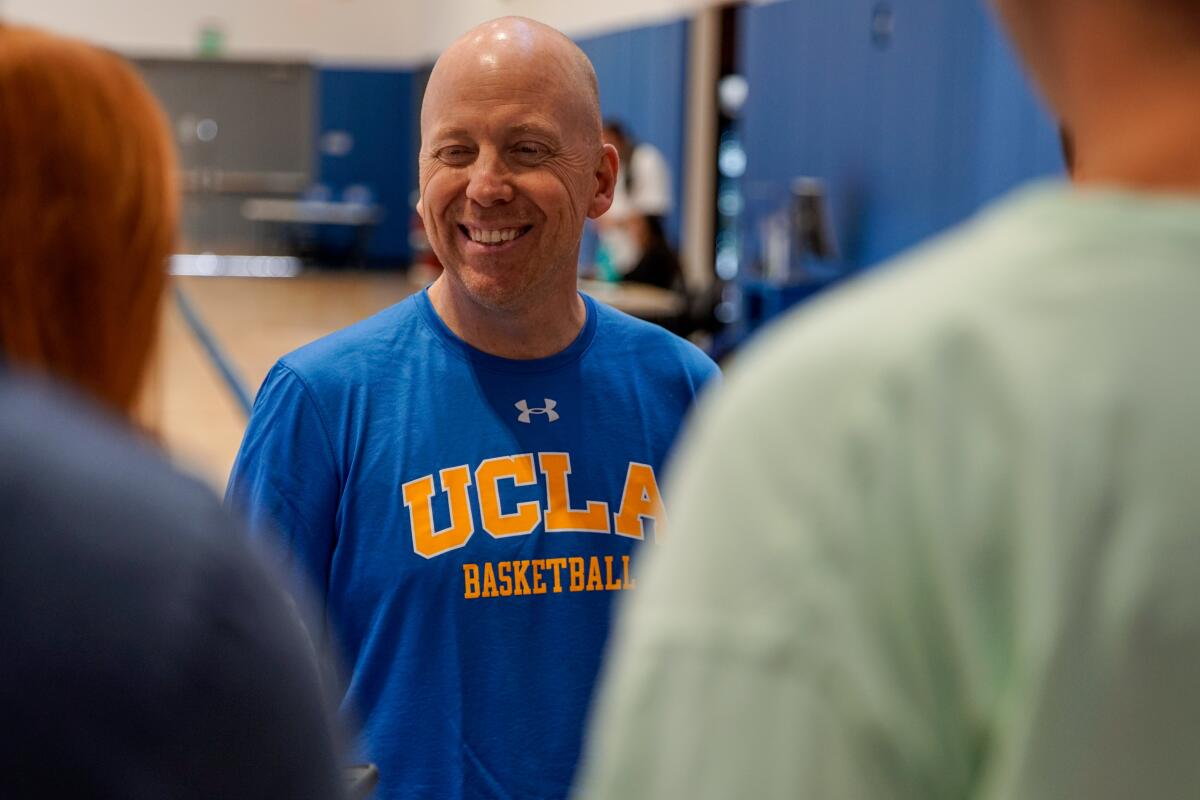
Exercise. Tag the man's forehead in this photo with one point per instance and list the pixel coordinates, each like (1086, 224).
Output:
(502, 103)
(508, 39)
(513, 60)
(466, 125)
(496, 79)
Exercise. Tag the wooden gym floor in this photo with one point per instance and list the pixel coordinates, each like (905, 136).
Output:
(254, 321)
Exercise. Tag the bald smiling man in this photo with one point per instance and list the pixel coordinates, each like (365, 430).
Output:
(465, 477)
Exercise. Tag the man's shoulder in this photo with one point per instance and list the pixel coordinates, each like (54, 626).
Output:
(619, 335)
(379, 336)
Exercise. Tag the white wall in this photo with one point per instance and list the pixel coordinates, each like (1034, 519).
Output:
(387, 31)
(574, 17)
(354, 31)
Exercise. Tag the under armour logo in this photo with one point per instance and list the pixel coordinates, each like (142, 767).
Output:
(527, 412)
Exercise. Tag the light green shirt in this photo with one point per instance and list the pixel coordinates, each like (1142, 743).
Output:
(939, 536)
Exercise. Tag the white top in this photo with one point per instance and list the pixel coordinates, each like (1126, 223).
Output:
(651, 192)
(939, 537)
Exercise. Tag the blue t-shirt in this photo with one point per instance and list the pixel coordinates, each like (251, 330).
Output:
(468, 520)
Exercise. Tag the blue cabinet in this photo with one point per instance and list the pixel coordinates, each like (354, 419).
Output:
(366, 147)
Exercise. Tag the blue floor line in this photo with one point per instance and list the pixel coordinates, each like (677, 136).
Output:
(215, 354)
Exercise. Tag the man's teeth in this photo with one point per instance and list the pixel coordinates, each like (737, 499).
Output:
(494, 237)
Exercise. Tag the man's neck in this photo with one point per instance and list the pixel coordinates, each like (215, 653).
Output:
(1134, 117)
(1150, 146)
(536, 330)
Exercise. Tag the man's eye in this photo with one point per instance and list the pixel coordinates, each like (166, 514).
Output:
(531, 151)
(455, 155)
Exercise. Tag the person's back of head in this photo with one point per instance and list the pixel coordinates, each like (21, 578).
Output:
(88, 210)
(1121, 76)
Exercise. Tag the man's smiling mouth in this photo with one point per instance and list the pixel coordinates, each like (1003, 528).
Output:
(494, 236)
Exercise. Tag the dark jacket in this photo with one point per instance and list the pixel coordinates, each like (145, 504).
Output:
(146, 652)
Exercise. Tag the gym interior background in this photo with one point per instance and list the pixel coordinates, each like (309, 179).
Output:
(807, 142)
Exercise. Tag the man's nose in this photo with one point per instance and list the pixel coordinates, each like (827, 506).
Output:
(490, 181)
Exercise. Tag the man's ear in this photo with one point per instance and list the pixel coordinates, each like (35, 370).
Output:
(420, 206)
(606, 181)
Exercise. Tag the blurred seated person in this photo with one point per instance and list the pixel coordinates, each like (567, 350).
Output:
(147, 652)
(657, 264)
(633, 243)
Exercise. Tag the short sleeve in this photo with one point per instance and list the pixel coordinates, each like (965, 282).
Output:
(284, 479)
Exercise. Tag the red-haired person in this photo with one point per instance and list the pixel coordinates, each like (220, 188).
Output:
(147, 654)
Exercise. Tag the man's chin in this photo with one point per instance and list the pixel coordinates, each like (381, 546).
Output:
(510, 289)
(497, 293)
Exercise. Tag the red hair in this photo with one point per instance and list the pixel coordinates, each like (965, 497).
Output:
(88, 213)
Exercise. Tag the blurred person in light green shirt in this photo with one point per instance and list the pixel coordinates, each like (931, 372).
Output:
(939, 537)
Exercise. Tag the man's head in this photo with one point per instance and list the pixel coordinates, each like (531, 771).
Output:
(512, 162)
(1122, 77)
(1074, 46)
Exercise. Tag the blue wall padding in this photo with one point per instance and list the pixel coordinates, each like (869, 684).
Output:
(376, 108)
(1020, 140)
(910, 138)
(643, 83)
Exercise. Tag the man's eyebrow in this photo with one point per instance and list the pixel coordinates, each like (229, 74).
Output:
(450, 133)
(534, 129)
